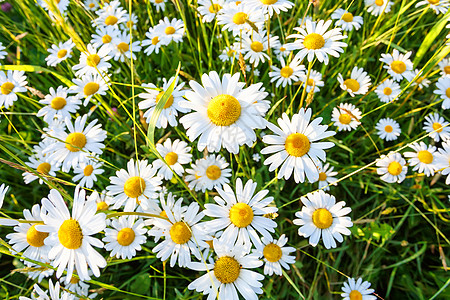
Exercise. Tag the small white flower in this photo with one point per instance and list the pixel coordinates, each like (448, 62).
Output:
(388, 90)
(121, 47)
(256, 157)
(129, 23)
(86, 172)
(230, 53)
(392, 168)
(159, 4)
(90, 85)
(346, 117)
(208, 9)
(11, 83)
(326, 175)
(444, 65)
(399, 65)
(169, 31)
(421, 81)
(346, 20)
(93, 61)
(422, 159)
(234, 18)
(59, 53)
(255, 45)
(357, 290)
(377, 7)
(357, 84)
(58, 105)
(175, 155)
(434, 122)
(314, 81)
(110, 15)
(41, 163)
(104, 36)
(439, 6)
(287, 74)
(153, 41)
(275, 255)
(208, 173)
(388, 129)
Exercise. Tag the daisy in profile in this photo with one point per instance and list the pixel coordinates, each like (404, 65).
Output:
(225, 114)
(421, 81)
(443, 85)
(346, 20)
(422, 158)
(59, 53)
(11, 83)
(326, 175)
(314, 40)
(160, 5)
(54, 291)
(313, 82)
(209, 9)
(208, 173)
(175, 155)
(444, 66)
(255, 45)
(346, 117)
(152, 41)
(103, 200)
(287, 74)
(399, 65)
(130, 22)
(93, 62)
(85, 172)
(271, 7)
(123, 49)
(169, 113)
(388, 90)
(77, 286)
(388, 129)
(41, 163)
(357, 289)
(70, 234)
(125, 237)
(61, 7)
(90, 85)
(275, 255)
(439, 6)
(230, 53)
(3, 53)
(241, 214)
(377, 7)
(296, 145)
(58, 105)
(3, 190)
(234, 18)
(443, 160)
(357, 84)
(139, 186)
(322, 217)
(104, 36)
(438, 127)
(392, 168)
(169, 31)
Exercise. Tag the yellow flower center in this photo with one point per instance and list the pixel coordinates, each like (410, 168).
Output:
(231, 52)
(310, 82)
(387, 91)
(345, 119)
(379, 2)
(111, 20)
(434, 2)
(91, 88)
(268, 2)
(425, 156)
(169, 30)
(70, 234)
(88, 170)
(241, 215)
(123, 47)
(398, 66)
(61, 53)
(239, 18)
(224, 110)
(36, 238)
(352, 84)
(282, 49)
(93, 60)
(7, 88)
(44, 168)
(227, 269)
(272, 252)
(313, 41)
(388, 128)
(355, 295)
(155, 40)
(169, 101)
(322, 218)
(322, 176)
(106, 39)
(297, 144)
(171, 158)
(102, 206)
(91, 5)
(159, 1)
(213, 172)
(134, 187)
(74, 280)
(75, 141)
(447, 69)
(125, 236)
(130, 24)
(286, 71)
(395, 168)
(257, 46)
(180, 233)
(215, 8)
(347, 17)
(447, 92)
(437, 126)
(58, 103)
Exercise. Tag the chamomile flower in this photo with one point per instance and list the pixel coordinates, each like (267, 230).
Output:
(209, 9)
(90, 85)
(346, 20)
(241, 214)
(444, 66)
(110, 16)
(314, 81)
(169, 31)
(104, 36)
(125, 237)
(41, 163)
(443, 160)
(208, 173)
(103, 199)
(439, 6)
(230, 53)
(130, 22)
(271, 7)
(275, 255)
(234, 18)
(58, 105)
(59, 53)
(399, 65)
(3, 190)
(434, 122)
(123, 49)
(326, 175)
(392, 168)
(421, 81)
(346, 117)
(357, 289)
(175, 155)
(37, 272)
(287, 74)
(322, 217)
(86, 172)
(388, 129)
(225, 113)
(443, 85)
(169, 113)
(11, 83)
(138, 186)
(91, 5)
(388, 90)
(377, 7)
(76, 145)
(422, 158)
(2, 52)
(54, 290)
(160, 5)
(153, 41)
(93, 62)
(60, 6)
(255, 45)
(70, 235)
(314, 40)
(357, 84)
(281, 51)
(296, 146)
(77, 286)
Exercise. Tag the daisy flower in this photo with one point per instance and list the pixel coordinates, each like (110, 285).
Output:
(313, 82)
(326, 175)
(377, 7)
(77, 286)
(103, 37)
(255, 45)
(322, 217)
(59, 52)
(11, 83)
(37, 272)
(90, 85)
(130, 22)
(241, 214)
(41, 163)
(175, 155)
(438, 127)
(110, 16)
(444, 66)
(357, 84)
(125, 237)
(91, 5)
(281, 51)
(399, 65)
(122, 47)
(169, 31)
(137, 186)
(93, 62)
(296, 146)
(230, 53)
(421, 81)
(357, 289)
(77, 145)
(3, 190)
(70, 235)
(443, 85)
(3, 54)
(287, 74)
(153, 41)
(392, 168)
(313, 40)
(160, 5)
(86, 172)
(54, 290)
(60, 5)
(234, 18)
(346, 116)
(271, 7)
(439, 6)
(388, 129)
(169, 113)
(58, 105)
(388, 90)
(422, 159)
(208, 173)
(443, 160)
(275, 255)
(208, 9)
(229, 274)
(225, 113)
(103, 199)
(346, 20)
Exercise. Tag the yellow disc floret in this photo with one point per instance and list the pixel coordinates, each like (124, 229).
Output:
(70, 234)
(272, 252)
(425, 156)
(169, 101)
(322, 176)
(91, 88)
(395, 168)
(322, 218)
(126, 236)
(227, 269)
(75, 141)
(297, 144)
(88, 170)
(7, 88)
(241, 215)
(313, 41)
(447, 93)
(257, 46)
(36, 238)
(106, 39)
(134, 187)
(398, 66)
(58, 103)
(345, 119)
(93, 60)
(447, 69)
(44, 168)
(111, 20)
(355, 295)
(214, 9)
(268, 2)
(169, 30)
(213, 172)
(102, 206)
(387, 91)
(171, 158)
(239, 18)
(352, 84)
(123, 47)
(437, 126)
(224, 110)
(347, 17)
(379, 2)
(388, 128)
(180, 233)
(434, 2)
(155, 40)
(286, 71)
(61, 53)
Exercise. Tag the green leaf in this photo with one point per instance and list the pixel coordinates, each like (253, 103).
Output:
(30, 68)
